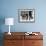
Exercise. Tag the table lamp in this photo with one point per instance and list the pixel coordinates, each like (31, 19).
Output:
(9, 21)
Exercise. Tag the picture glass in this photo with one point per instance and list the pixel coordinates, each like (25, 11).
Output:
(26, 15)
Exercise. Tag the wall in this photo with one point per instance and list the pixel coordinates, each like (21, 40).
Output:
(9, 8)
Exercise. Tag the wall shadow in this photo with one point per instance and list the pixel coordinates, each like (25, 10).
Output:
(2, 21)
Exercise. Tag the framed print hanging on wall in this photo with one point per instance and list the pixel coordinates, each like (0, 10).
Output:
(26, 15)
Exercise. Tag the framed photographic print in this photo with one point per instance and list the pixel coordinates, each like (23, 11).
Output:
(26, 15)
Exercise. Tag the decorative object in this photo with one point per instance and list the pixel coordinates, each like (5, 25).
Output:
(30, 33)
(9, 21)
(26, 15)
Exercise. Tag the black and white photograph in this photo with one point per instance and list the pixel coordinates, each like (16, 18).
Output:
(26, 15)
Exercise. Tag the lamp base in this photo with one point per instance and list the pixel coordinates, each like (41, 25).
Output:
(9, 33)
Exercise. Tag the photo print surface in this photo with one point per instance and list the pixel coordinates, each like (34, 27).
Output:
(26, 15)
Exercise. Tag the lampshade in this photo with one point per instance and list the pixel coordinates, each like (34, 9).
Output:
(9, 21)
